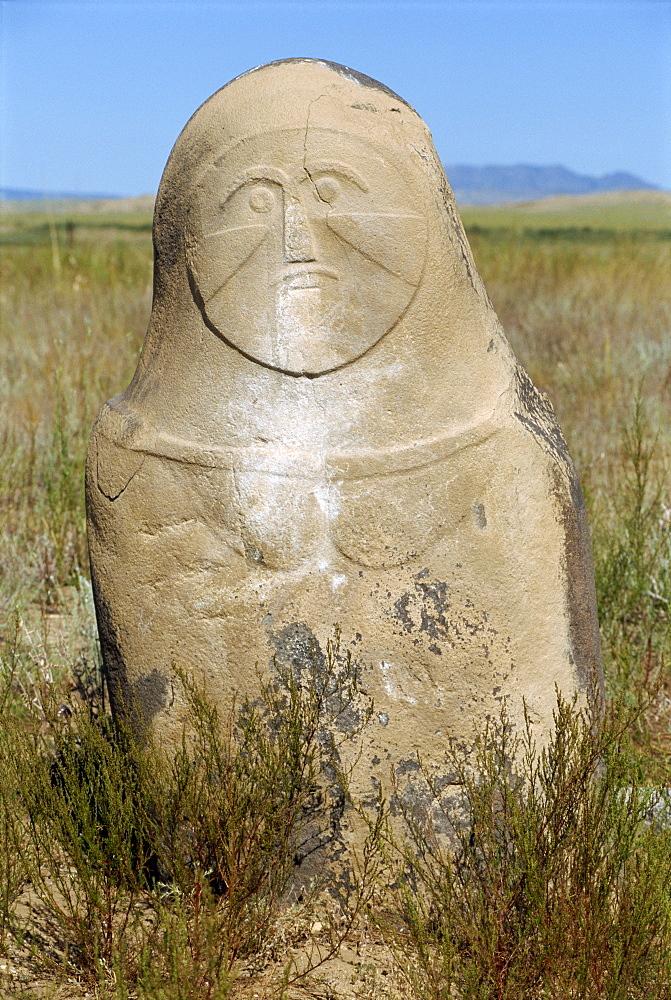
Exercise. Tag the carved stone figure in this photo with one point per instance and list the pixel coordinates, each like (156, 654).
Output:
(327, 425)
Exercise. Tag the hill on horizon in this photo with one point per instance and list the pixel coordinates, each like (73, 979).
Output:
(492, 185)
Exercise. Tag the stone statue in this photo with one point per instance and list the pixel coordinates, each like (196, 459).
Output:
(327, 425)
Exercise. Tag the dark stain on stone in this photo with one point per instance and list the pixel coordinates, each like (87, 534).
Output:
(429, 612)
(254, 554)
(480, 516)
(580, 592)
(434, 608)
(432, 805)
(297, 648)
(298, 652)
(402, 612)
(135, 703)
(114, 668)
(457, 232)
(410, 766)
(431, 619)
(539, 418)
(150, 692)
(348, 720)
(458, 236)
(548, 441)
(321, 841)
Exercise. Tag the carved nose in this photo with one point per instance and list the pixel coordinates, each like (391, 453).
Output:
(298, 246)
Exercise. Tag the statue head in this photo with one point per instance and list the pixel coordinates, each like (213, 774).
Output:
(302, 255)
(310, 271)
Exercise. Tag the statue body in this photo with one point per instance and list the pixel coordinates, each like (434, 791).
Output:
(328, 425)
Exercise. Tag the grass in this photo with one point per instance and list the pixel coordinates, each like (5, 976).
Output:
(554, 879)
(133, 889)
(163, 875)
(595, 216)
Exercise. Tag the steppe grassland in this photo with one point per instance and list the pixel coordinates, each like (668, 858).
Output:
(73, 318)
(586, 304)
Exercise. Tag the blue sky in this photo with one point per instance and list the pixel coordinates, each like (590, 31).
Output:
(93, 95)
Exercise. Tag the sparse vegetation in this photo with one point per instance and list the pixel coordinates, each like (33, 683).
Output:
(163, 873)
(546, 873)
(97, 884)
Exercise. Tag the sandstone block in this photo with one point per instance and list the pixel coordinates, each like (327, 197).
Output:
(327, 425)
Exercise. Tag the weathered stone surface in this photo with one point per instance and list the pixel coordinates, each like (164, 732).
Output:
(328, 425)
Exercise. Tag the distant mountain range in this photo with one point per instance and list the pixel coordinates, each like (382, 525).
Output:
(471, 185)
(491, 185)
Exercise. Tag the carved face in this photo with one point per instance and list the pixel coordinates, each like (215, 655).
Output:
(305, 254)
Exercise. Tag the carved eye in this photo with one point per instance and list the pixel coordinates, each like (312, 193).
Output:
(328, 189)
(261, 199)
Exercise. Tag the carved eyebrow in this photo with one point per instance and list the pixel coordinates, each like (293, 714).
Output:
(258, 173)
(334, 167)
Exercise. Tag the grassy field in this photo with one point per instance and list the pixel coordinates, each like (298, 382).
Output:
(586, 215)
(583, 291)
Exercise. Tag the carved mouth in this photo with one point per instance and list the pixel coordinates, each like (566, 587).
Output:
(307, 276)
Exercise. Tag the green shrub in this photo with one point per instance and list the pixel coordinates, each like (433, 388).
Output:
(553, 879)
(164, 869)
(632, 549)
